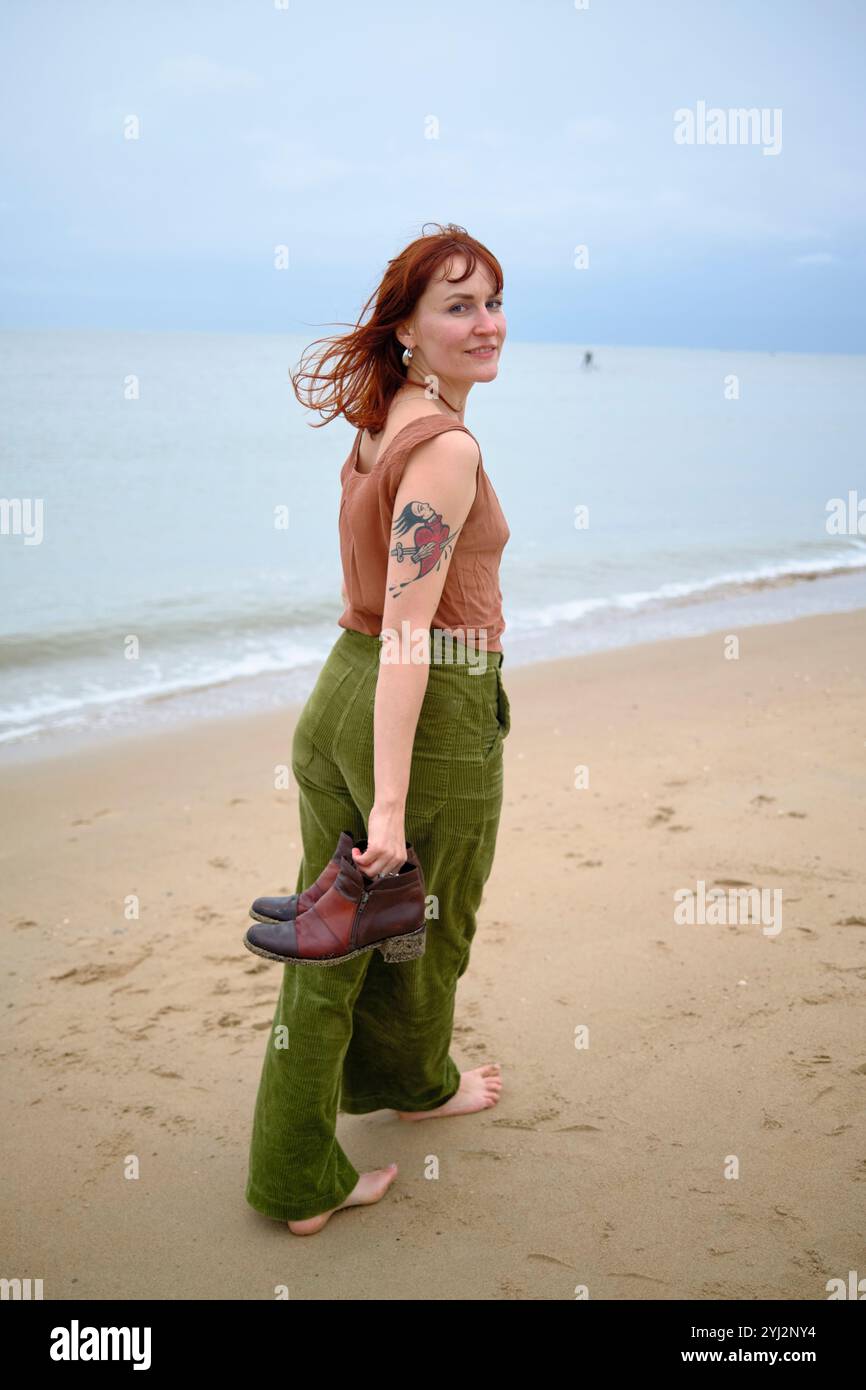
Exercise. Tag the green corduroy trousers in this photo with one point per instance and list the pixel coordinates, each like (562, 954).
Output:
(366, 1035)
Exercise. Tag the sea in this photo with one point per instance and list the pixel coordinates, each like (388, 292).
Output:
(169, 548)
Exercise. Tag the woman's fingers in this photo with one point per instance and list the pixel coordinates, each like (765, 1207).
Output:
(371, 863)
(368, 862)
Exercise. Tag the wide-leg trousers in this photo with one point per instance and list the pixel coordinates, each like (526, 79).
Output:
(366, 1035)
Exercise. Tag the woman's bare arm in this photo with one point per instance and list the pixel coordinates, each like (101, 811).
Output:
(438, 486)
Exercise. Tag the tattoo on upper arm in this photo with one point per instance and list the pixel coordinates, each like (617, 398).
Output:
(431, 540)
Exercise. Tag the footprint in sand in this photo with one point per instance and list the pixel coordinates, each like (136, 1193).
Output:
(92, 974)
(509, 1289)
(177, 1124)
(537, 1119)
(662, 815)
(805, 1065)
(548, 1259)
(219, 862)
(88, 820)
(206, 914)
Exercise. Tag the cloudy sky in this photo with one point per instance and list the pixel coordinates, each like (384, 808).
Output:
(337, 130)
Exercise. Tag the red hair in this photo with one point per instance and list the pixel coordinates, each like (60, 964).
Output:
(368, 362)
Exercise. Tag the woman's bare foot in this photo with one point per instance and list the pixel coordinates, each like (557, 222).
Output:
(479, 1090)
(368, 1189)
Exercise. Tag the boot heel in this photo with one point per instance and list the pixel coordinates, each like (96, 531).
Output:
(407, 947)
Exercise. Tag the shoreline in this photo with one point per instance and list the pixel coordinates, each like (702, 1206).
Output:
(604, 1164)
(263, 693)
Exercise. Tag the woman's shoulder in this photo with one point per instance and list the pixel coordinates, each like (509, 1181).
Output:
(403, 413)
(412, 427)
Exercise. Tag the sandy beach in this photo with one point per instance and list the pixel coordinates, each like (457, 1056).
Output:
(706, 1143)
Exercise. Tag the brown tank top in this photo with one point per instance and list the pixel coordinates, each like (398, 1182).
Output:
(471, 602)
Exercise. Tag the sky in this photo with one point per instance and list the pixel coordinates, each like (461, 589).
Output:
(338, 130)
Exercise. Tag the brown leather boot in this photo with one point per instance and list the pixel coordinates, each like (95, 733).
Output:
(286, 909)
(356, 914)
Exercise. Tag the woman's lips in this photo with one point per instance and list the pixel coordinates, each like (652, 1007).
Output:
(481, 352)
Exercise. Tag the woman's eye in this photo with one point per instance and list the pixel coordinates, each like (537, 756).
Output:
(497, 302)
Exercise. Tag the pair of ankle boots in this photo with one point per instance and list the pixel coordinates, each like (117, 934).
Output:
(343, 914)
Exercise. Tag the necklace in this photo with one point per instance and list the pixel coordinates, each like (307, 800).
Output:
(447, 412)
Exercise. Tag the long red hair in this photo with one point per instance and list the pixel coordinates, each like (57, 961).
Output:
(367, 364)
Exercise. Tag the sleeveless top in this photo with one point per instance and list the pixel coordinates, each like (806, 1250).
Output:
(471, 598)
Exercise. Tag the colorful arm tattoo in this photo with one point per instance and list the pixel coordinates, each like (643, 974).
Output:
(432, 540)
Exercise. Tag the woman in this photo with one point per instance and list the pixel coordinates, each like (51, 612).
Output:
(405, 750)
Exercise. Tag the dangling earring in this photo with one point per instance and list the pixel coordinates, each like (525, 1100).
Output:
(407, 356)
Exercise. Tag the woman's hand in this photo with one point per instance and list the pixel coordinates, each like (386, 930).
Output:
(386, 843)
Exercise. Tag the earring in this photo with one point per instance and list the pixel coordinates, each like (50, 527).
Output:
(407, 356)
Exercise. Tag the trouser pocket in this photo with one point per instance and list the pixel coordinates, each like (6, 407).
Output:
(503, 706)
(432, 767)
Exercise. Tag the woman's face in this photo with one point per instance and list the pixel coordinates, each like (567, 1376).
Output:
(458, 330)
(423, 511)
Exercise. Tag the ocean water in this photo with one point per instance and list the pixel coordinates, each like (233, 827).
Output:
(153, 465)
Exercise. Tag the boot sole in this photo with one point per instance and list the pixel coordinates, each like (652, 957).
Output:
(270, 921)
(394, 949)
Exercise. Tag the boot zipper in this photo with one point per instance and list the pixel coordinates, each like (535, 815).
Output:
(364, 896)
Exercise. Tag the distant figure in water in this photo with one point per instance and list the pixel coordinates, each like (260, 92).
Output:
(587, 359)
